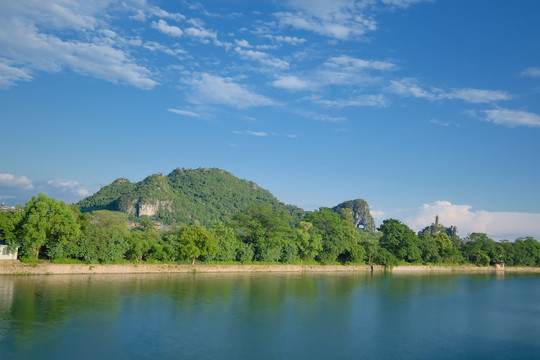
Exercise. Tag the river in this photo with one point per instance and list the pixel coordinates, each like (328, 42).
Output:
(270, 316)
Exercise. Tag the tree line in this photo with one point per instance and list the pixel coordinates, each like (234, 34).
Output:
(49, 229)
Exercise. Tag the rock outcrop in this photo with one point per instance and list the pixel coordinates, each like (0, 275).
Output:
(360, 212)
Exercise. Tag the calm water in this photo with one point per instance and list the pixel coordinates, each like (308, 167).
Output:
(270, 316)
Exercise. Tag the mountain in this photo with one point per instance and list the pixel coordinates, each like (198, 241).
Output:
(184, 196)
(360, 212)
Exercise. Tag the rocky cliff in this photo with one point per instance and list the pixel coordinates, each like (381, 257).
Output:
(361, 215)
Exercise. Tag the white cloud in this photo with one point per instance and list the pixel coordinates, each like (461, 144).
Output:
(250, 132)
(220, 90)
(338, 19)
(167, 29)
(438, 122)
(262, 57)
(410, 87)
(349, 63)
(531, 72)
(69, 185)
(242, 43)
(28, 44)
(184, 112)
(154, 46)
(512, 118)
(201, 34)
(499, 225)
(155, 11)
(291, 40)
(378, 215)
(403, 3)
(56, 14)
(256, 133)
(362, 100)
(326, 118)
(291, 82)
(16, 181)
(10, 75)
(476, 96)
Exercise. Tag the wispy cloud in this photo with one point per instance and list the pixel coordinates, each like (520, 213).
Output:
(184, 112)
(291, 40)
(256, 133)
(361, 100)
(440, 123)
(291, 82)
(338, 19)
(16, 181)
(345, 62)
(500, 225)
(403, 3)
(251, 132)
(10, 75)
(262, 57)
(219, 90)
(476, 96)
(531, 72)
(324, 117)
(26, 39)
(512, 118)
(69, 185)
(167, 29)
(411, 88)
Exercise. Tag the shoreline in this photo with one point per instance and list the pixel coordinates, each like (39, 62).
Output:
(18, 268)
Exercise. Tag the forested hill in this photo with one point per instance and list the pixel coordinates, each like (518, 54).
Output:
(184, 196)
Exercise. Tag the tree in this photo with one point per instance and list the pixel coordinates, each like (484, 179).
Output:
(9, 225)
(400, 240)
(481, 250)
(227, 242)
(308, 241)
(105, 237)
(269, 232)
(195, 241)
(339, 239)
(370, 242)
(48, 223)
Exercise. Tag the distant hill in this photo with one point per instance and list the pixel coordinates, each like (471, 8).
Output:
(184, 196)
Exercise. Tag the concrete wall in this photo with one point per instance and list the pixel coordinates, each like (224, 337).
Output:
(6, 254)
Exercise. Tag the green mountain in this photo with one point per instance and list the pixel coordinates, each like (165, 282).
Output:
(184, 196)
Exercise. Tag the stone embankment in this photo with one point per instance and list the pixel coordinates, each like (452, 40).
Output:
(18, 268)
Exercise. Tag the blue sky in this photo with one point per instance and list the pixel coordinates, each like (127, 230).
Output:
(419, 107)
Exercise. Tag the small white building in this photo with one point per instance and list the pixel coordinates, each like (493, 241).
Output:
(6, 253)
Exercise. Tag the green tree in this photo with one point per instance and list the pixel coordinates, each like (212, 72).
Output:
(339, 239)
(9, 225)
(400, 240)
(226, 241)
(195, 241)
(430, 248)
(370, 242)
(526, 252)
(308, 241)
(105, 237)
(49, 224)
(479, 249)
(268, 231)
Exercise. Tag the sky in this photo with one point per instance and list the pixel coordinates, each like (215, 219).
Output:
(420, 107)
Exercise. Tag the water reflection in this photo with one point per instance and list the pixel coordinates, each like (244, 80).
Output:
(266, 315)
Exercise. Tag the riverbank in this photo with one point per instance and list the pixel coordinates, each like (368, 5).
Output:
(18, 268)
